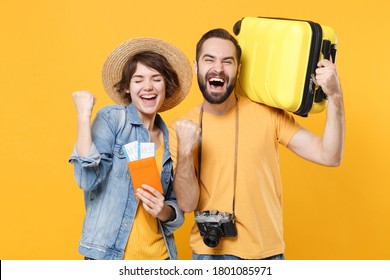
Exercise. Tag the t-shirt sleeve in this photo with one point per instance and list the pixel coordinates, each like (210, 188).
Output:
(286, 126)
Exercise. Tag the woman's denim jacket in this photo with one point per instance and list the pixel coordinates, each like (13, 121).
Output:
(108, 191)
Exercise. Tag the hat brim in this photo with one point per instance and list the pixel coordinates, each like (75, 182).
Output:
(112, 68)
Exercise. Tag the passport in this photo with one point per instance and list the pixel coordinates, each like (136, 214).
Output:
(144, 171)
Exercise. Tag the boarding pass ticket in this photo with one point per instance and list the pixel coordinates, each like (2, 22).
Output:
(139, 150)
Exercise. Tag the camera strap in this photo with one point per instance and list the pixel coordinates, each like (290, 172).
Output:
(235, 150)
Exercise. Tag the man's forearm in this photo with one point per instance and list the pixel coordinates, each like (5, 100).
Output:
(185, 183)
(334, 131)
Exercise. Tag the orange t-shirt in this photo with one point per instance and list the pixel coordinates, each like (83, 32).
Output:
(258, 197)
(146, 241)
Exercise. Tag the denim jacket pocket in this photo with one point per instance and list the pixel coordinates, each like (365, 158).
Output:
(119, 164)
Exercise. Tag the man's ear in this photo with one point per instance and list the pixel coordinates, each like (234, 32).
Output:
(238, 70)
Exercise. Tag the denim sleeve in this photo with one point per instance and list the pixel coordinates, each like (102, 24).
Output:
(91, 170)
(171, 226)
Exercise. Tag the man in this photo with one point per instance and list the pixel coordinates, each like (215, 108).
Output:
(225, 154)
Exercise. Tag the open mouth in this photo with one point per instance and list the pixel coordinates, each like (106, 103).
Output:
(216, 82)
(149, 97)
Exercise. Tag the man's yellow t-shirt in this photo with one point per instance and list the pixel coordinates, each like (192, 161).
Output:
(258, 197)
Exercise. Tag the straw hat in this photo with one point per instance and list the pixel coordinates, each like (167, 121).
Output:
(112, 68)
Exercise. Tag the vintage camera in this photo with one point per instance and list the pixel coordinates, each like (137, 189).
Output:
(213, 225)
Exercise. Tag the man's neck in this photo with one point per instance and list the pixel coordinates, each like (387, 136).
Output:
(220, 109)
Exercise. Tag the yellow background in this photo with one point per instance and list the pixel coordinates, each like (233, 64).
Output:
(50, 48)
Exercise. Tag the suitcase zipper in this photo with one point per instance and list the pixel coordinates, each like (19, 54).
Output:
(315, 47)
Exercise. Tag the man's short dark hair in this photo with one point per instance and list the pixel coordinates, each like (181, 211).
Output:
(221, 34)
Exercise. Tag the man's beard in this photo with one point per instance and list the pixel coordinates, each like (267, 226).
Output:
(206, 94)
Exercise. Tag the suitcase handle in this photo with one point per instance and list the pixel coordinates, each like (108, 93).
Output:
(237, 27)
(328, 50)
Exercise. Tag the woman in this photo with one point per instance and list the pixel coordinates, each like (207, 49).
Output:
(143, 76)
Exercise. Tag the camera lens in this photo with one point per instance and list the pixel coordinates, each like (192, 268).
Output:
(212, 237)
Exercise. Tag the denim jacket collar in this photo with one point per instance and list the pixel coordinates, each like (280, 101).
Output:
(134, 118)
(132, 115)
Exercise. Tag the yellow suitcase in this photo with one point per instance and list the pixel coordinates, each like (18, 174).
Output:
(279, 57)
